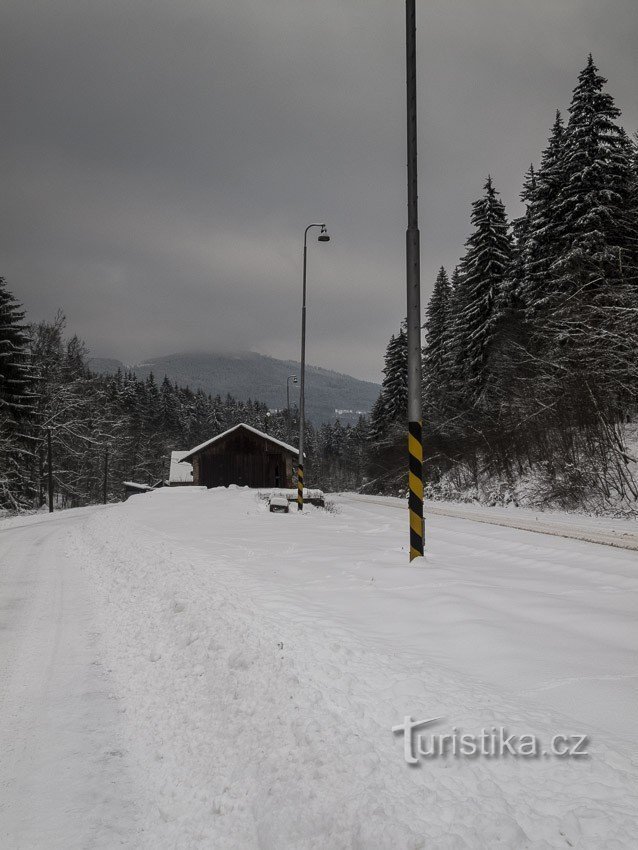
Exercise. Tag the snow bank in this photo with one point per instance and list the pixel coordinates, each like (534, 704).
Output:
(263, 658)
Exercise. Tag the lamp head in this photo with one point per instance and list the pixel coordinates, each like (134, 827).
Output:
(323, 236)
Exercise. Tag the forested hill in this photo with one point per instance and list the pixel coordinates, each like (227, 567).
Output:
(254, 376)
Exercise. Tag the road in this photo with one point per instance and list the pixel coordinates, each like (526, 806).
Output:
(63, 781)
(606, 532)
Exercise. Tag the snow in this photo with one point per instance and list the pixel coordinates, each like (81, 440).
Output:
(278, 502)
(63, 781)
(622, 533)
(264, 436)
(254, 665)
(291, 494)
(180, 473)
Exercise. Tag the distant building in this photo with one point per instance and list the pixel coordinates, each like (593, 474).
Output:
(180, 474)
(132, 488)
(243, 456)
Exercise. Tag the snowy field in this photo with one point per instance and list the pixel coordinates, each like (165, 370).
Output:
(188, 670)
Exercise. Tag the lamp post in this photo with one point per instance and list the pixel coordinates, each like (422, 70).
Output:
(323, 237)
(290, 378)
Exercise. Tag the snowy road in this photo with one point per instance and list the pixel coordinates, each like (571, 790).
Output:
(607, 532)
(188, 670)
(62, 781)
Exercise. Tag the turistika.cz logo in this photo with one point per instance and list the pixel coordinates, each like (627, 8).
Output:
(492, 742)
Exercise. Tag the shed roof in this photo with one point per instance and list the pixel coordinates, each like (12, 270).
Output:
(180, 474)
(135, 485)
(290, 449)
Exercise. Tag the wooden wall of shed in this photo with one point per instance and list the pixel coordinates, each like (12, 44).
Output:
(245, 459)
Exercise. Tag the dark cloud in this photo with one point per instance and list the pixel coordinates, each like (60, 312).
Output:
(161, 159)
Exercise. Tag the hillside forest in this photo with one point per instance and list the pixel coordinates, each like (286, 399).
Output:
(530, 362)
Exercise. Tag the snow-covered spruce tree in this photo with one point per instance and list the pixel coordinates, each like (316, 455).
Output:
(483, 292)
(16, 403)
(437, 317)
(593, 202)
(521, 228)
(387, 435)
(536, 234)
(591, 310)
(436, 320)
(449, 343)
(632, 147)
(396, 377)
(16, 381)
(392, 403)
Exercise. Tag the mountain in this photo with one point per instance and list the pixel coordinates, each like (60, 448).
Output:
(329, 395)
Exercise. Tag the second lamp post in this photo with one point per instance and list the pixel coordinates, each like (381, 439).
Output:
(323, 237)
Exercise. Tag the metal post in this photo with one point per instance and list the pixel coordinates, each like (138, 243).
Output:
(302, 376)
(106, 476)
(302, 383)
(413, 280)
(50, 470)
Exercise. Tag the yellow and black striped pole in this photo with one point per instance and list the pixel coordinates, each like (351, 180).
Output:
(300, 487)
(415, 476)
(413, 278)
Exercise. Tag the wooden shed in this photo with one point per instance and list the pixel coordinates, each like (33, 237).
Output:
(132, 488)
(244, 456)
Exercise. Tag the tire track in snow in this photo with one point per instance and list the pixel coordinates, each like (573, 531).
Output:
(63, 778)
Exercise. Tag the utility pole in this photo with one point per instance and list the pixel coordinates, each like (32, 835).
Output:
(50, 470)
(105, 481)
(413, 279)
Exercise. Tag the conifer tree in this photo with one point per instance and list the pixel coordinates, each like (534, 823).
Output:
(16, 402)
(483, 290)
(537, 238)
(589, 318)
(396, 377)
(521, 228)
(593, 201)
(436, 325)
(392, 403)
(437, 314)
(16, 383)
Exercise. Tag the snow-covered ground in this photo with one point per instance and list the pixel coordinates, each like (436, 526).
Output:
(187, 669)
(592, 529)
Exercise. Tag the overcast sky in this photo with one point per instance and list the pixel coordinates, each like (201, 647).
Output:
(161, 159)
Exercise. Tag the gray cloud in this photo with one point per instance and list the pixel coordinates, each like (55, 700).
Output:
(162, 159)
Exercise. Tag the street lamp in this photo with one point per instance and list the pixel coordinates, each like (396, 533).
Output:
(323, 237)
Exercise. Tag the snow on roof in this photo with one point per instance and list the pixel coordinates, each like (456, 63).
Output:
(216, 439)
(134, 485)
(180, 474)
